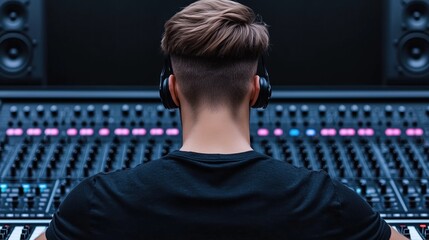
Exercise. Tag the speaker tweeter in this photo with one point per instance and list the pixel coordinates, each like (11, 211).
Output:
(13, 15)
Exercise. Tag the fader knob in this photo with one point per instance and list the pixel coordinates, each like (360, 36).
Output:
(57, 201)
(423, 186)
(21, 190)
(363, 186)
(405, 185)
(30, 201)
(412, 201)
(63, 188)
(383, 186)
(37, 191)
(15, 201)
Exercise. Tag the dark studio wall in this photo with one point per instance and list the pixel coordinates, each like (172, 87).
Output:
(116, 43)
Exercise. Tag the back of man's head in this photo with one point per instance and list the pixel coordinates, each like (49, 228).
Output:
(215, 46)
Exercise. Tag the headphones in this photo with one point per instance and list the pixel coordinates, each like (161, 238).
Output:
(264, 82)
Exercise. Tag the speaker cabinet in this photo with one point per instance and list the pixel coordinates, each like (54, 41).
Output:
(406, 42)
(22, 42)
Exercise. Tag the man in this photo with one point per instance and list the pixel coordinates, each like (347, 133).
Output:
(216, 186)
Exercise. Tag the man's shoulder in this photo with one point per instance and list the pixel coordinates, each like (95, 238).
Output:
(130, 172)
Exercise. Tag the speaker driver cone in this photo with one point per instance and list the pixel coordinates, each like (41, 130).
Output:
(13, 16)
(414, 53)
(15, 54)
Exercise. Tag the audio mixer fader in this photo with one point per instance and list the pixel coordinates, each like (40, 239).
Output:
(380, 150)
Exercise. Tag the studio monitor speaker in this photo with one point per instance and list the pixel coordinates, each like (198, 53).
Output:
(22, 42)
(406, 42)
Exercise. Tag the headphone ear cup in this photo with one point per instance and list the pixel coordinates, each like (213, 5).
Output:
(264, 94)
(164, 93)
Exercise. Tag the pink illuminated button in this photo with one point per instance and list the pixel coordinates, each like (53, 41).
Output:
(278, 132)
(366, 132)
(86, 132)
(52, 132)
(139, 131)
(122, 132)
(104, 132)
(72, 132)
(328, 132)
(19, 132)
(419, 132)
(347, 132)
(263, 132)
(34, 132)
(393, 132)
(14, 132)
(157, 132)
(173, 132)
(10, 132)
(412, 132)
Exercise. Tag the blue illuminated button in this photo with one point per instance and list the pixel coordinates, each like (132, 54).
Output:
(294, 132)
(310, 132)
(3, 188)
(26, 187)
(42, 186)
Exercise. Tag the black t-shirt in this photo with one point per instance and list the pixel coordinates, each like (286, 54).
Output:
(211, 196)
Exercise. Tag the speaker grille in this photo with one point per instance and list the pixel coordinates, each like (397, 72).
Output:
(15, 55)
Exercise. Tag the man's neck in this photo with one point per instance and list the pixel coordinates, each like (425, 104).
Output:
(216, 131)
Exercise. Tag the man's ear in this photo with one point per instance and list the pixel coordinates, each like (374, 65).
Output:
(172, 87)
(255, 88)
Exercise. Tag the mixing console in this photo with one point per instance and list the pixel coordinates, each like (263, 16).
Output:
(380, 150)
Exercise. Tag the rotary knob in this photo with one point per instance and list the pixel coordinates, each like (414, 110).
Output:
(388, 110)
(292, 110)
(105, 109)
(54, 110)
(322, 110)
(342, 110)
(139, 110)
(367, 110)
(90, 110)
(40, 110)
(77, 110)
(13, 111)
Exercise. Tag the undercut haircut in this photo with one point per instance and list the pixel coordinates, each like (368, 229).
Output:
(214, 47)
